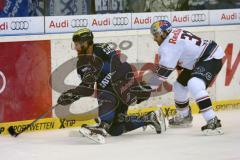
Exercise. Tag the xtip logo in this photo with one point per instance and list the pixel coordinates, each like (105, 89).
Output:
(2, 129)
(66, 123)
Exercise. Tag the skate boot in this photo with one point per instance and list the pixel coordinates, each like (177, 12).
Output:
(96, 133)
(157, 120)
(213, 127)
(178, 121)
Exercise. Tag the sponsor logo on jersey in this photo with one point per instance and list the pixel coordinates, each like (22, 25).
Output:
(106, 80)
(208, 76)
(176, 33)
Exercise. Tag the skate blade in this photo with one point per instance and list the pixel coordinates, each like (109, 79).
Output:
(96, 137)
(162, 121)
(180, 126)
(75, 134)
(144, 128)
(210, 132)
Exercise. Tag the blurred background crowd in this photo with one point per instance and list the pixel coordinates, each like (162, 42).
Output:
(24, 8)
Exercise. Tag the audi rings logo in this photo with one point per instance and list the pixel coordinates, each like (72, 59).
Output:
(198, 17)
(75, 23)
(157, 18)
(120, 21)
(2, 76)
(19, 25)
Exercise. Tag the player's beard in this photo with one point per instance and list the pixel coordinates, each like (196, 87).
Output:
(83, 50)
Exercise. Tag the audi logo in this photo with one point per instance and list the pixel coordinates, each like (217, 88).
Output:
(19, 25)
(75, 23)
(157, 18)
(4, 82)
(120, 21)
(198, 17)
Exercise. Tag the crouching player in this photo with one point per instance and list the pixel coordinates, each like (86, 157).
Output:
(99, 64)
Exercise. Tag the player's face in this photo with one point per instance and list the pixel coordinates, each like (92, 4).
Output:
(158, 38)
(81, 47)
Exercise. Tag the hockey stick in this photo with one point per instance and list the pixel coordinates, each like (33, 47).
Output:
(13, 132)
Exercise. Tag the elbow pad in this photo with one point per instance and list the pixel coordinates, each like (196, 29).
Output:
(122, 72)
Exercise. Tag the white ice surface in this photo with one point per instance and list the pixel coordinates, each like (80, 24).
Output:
(175, 144)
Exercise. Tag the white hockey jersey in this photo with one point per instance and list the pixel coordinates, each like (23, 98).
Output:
(183, 48)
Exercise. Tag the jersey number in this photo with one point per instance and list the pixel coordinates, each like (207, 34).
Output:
(108, 50)
(191, 36)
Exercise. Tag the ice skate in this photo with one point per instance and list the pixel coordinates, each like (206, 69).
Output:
(157, 120)
(213, 127)
(178, 121)
(97, 134)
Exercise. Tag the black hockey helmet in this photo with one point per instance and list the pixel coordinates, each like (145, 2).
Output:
(83, 35)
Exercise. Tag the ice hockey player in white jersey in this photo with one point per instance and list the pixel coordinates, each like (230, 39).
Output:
(199, 61)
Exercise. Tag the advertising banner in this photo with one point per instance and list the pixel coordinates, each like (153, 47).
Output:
(25, 68)
(224, 16)
(190, 18)
(65, 24)
(21, 25)
(144, 20)
(228, 81)
(105, 22)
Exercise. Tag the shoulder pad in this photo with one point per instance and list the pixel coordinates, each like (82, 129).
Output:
(101, 49)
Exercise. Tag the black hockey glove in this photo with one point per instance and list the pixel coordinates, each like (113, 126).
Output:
(142, 91)
(68, 97)
(72, 95)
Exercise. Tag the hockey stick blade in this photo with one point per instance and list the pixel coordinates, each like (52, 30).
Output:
(12, 131)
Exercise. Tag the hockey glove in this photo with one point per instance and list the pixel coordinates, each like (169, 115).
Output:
(142, 91)
(68, 97)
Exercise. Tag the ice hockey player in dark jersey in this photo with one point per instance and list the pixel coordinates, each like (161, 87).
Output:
(116, 88)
